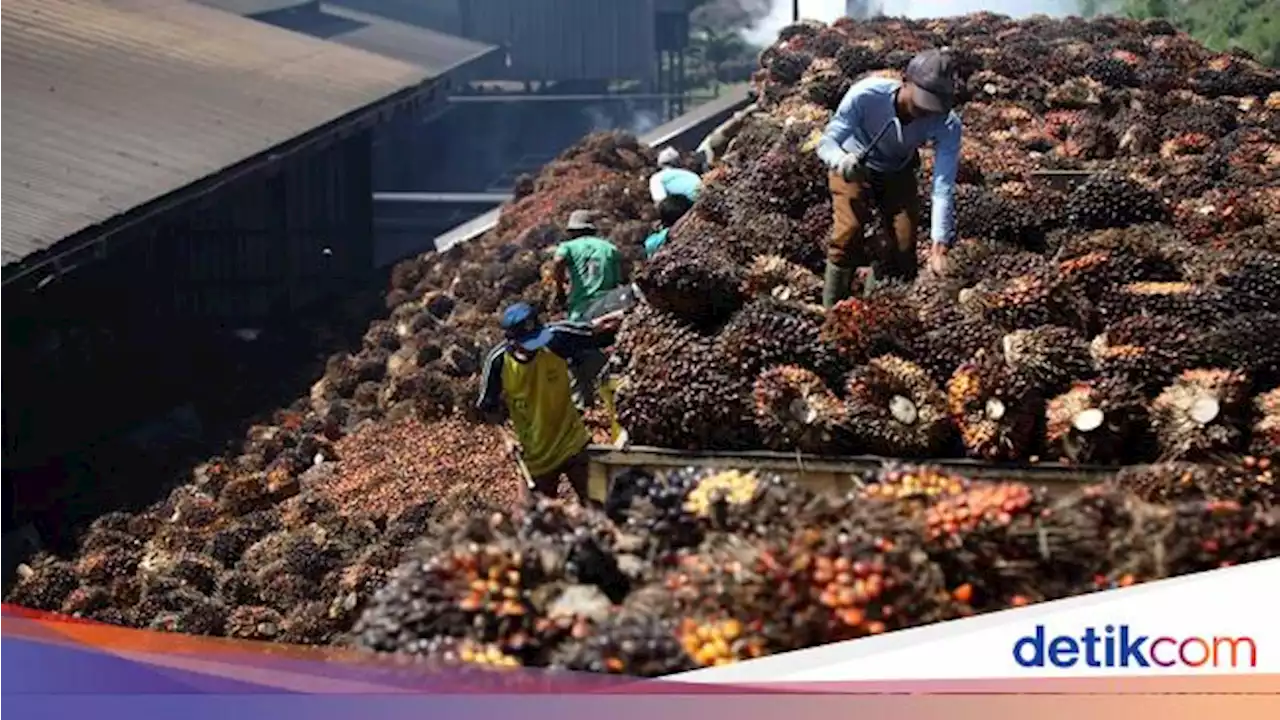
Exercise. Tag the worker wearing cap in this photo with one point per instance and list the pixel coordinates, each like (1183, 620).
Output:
(586, 266)
(871, 148)
(671, 179)
(530, 371)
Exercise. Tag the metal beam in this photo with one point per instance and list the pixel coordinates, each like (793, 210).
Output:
(599, 97)
(442, 198)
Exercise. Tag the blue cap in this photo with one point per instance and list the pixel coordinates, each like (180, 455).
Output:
(521, 325)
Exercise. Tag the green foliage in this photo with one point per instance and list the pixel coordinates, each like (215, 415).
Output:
(1252, 25)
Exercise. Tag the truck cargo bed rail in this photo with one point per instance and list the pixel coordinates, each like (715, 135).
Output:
(820, 473)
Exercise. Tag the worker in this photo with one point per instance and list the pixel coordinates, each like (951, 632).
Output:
(671, 179)
(670, 210)
(713, 146)
(585, 267)
(605, 316)
(530, 371)
(871, 148)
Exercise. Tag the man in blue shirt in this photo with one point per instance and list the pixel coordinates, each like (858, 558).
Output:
(671, 179)
(871, 147)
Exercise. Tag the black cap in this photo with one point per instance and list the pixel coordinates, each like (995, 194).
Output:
(933, 75)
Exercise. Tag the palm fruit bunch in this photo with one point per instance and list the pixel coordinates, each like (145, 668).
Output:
(1052, 356)
(1255, 276)
(1265, 442)
(995, 408)
(1004, 544)
(913, 487)
(1192, 536)
(471, 590)
(985, 215)
(1197, 304)
(895, 409)
(780, 278)
(654, 505)
(752, 505)
(1109, 201)
(628, 644)
(1096, 422)
(861, 576)
(788, 180)
(1148, 350)
(769, 331)
(1097, 262)
(796, 410)
(1171, 482)
(713, 492)
(1202, 412)
(861, 328)
(1026, 301)
(1235, 342)
(715, 641)
(695, 281)
(676, 389)
(943, 350)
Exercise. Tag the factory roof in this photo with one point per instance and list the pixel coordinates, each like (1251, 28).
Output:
(436, 52)
(113, 105)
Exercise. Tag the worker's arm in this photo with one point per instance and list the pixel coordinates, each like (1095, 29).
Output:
(713, 145)
(846, 118)
(657, 190)
(573, 341)
(946, 161)
(560, 271)
(490, 401)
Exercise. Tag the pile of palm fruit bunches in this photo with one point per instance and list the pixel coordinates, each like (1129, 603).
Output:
(1126, 321)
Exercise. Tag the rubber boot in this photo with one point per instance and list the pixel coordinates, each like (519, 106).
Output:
(836, 284)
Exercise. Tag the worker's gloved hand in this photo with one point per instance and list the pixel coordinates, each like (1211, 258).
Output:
(850, 165)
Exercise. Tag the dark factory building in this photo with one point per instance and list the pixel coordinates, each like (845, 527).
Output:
(173, 175)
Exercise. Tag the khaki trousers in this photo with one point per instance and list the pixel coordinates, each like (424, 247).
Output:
(896, 197)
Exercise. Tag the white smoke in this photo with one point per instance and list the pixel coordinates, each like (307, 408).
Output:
(634, 121)
(829, 10)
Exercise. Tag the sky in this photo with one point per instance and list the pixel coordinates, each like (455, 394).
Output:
(828, 10)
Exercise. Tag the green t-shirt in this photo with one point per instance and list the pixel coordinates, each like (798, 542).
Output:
(595, 268)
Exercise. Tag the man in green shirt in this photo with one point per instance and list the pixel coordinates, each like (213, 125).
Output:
(586, 266)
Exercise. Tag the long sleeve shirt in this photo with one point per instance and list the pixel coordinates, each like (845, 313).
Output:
(867, 108)
(674, 181)
(571, 341)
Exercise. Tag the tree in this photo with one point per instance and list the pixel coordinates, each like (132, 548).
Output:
(719, 52)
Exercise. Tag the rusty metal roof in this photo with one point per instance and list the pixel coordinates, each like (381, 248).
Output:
(112, 104)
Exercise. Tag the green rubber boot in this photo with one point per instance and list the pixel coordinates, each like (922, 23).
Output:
(836, 284)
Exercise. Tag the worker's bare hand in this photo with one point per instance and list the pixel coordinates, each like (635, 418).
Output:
(938, 259)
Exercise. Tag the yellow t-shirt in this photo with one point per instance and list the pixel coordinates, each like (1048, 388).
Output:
(540, 404)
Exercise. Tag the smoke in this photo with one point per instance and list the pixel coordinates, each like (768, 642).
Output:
(766, 31)
(625, 117)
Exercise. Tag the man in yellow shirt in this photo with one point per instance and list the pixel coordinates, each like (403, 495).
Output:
(530, 371)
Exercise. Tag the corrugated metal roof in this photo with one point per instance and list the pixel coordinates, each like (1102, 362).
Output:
(426, 48)
(435, 52)
(116, 103)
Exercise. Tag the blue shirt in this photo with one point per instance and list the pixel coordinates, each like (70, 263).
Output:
(865, 110)
(674, 181)
(654, 241)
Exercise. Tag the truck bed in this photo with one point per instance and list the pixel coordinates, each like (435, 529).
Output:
(830, 474)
